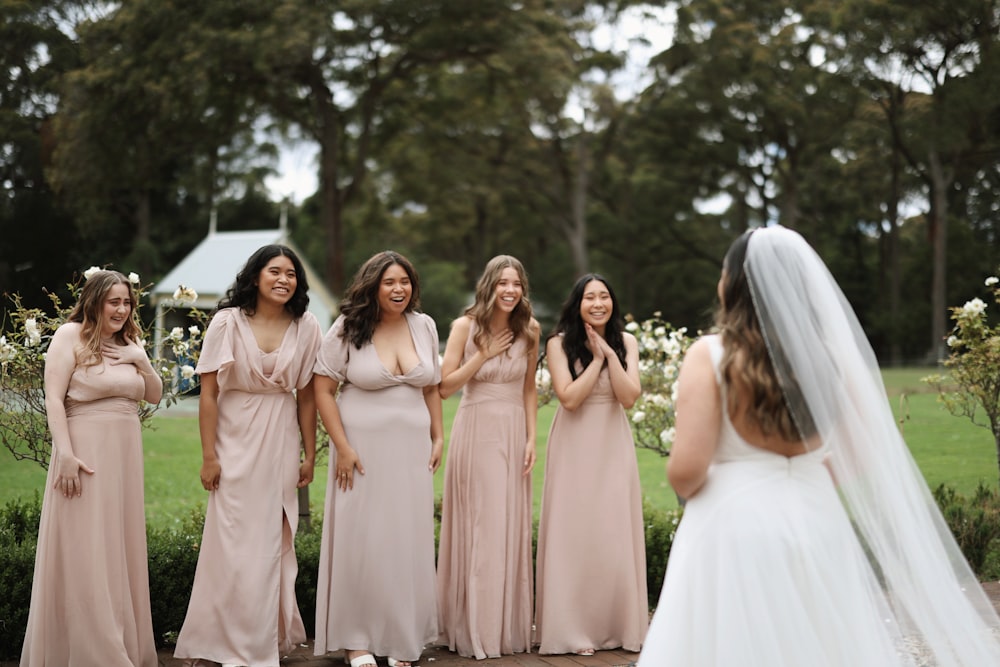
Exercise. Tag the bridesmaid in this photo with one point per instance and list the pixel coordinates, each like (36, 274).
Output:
(484, 561)
(591, 549)
(375, 588)
(90, 590)
(256, 413)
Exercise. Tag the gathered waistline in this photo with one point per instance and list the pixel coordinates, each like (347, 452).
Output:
(114, 405)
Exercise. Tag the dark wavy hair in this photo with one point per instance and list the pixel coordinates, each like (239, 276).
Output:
(486, 299)
(736, 320)
(89, 312)
(360, 304)
(570, 325)
(243, 293)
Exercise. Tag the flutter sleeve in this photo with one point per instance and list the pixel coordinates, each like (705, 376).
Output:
(333, 353)
(217, 346)
(307, 344)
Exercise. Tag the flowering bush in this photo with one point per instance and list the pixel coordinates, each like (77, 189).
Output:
(24, 340)
(972, 386)
(661, 350)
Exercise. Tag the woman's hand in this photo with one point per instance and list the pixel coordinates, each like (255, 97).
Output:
(596, 343)
(132, 353)
(211, 472)
(529, 457)
(306, 470)
(437, 450)
(497, 344)
(68, 480)
(347, 463)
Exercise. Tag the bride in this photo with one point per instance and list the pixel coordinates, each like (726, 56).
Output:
(809, 536)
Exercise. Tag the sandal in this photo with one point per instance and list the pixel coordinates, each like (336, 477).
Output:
(359, 660)
(399, 663)
(585, 651)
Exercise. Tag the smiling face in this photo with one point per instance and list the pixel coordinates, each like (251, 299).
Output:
(508, 290)
(394, 290)
(596, 306)
(116, 311)
(276, 282)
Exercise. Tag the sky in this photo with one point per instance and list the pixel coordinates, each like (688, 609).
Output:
(296, 176)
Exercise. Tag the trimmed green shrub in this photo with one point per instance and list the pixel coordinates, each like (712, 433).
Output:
(661, 526)
(975, 524)
(18, 533)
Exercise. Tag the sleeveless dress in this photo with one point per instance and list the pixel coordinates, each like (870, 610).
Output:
(375, 586)
(243, 608)
(591, 581)
(766, 571)
(484, 559)
(90, 589)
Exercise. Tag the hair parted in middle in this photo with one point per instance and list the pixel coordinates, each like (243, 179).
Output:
(570, 325)
(746, 359)
(360, 304)
(242, 294)
(486, 299)
(89, 312)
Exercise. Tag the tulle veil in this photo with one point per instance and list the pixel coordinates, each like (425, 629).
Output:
(832, 381)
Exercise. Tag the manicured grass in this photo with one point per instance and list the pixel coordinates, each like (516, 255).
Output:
(947, 449)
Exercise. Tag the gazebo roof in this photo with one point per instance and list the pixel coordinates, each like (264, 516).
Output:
(211, 268)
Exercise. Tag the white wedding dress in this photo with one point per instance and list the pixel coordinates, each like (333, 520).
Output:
(764, 564)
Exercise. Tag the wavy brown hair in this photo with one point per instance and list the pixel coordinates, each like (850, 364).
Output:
(486, 300)
(89, 312)
(746, 359)
(360, 304)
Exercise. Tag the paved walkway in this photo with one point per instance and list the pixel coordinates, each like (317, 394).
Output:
(441, 657)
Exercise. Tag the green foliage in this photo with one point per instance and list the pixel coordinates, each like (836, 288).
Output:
(661, 527)
(972, 387)
(173, 556)
(975, 523)
(25, 335)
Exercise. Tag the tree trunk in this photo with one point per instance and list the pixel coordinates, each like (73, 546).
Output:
(939, 243)
(892, 263)
(331, 213)
(578, 209)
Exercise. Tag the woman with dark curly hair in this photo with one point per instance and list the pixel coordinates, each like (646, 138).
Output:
(375, 591)
(591, 592)
(257, 417)
(90, 593)
(484, 562)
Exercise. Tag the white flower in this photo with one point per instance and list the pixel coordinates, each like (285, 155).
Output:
(187, 372)
(176, 333)
(660, 331)
(638, 416)
(133, 278)
(952, 341)
(91, 271)
(992, 280)
(185, 294)
(667, 435)
(34, 333)
(194, 330)
(6, 350)
(542, 378)
(974, 307)
(180, 348)
(631, 326)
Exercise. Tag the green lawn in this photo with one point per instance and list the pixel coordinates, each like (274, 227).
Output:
(947, 449)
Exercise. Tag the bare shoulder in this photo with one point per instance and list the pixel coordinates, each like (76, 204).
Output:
(630, 342)
(534, 329)
(462, 324)
(68, 332)
(700, 353)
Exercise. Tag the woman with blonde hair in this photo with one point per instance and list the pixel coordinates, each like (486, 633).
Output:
(775, 565)
(90, 591)
(484, 559)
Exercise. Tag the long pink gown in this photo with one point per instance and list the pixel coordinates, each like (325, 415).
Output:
(243, 608)
(375, 587)
(591, 577)
(484, 560)
(90, 590)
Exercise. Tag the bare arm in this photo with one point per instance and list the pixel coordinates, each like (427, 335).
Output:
(454, 373)
(530, 394)
(208, 423)
(305, 399)
(347, 459)
(60, 362)
(432, 397)
(624, 381)
(699, 422)
(571, 393)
